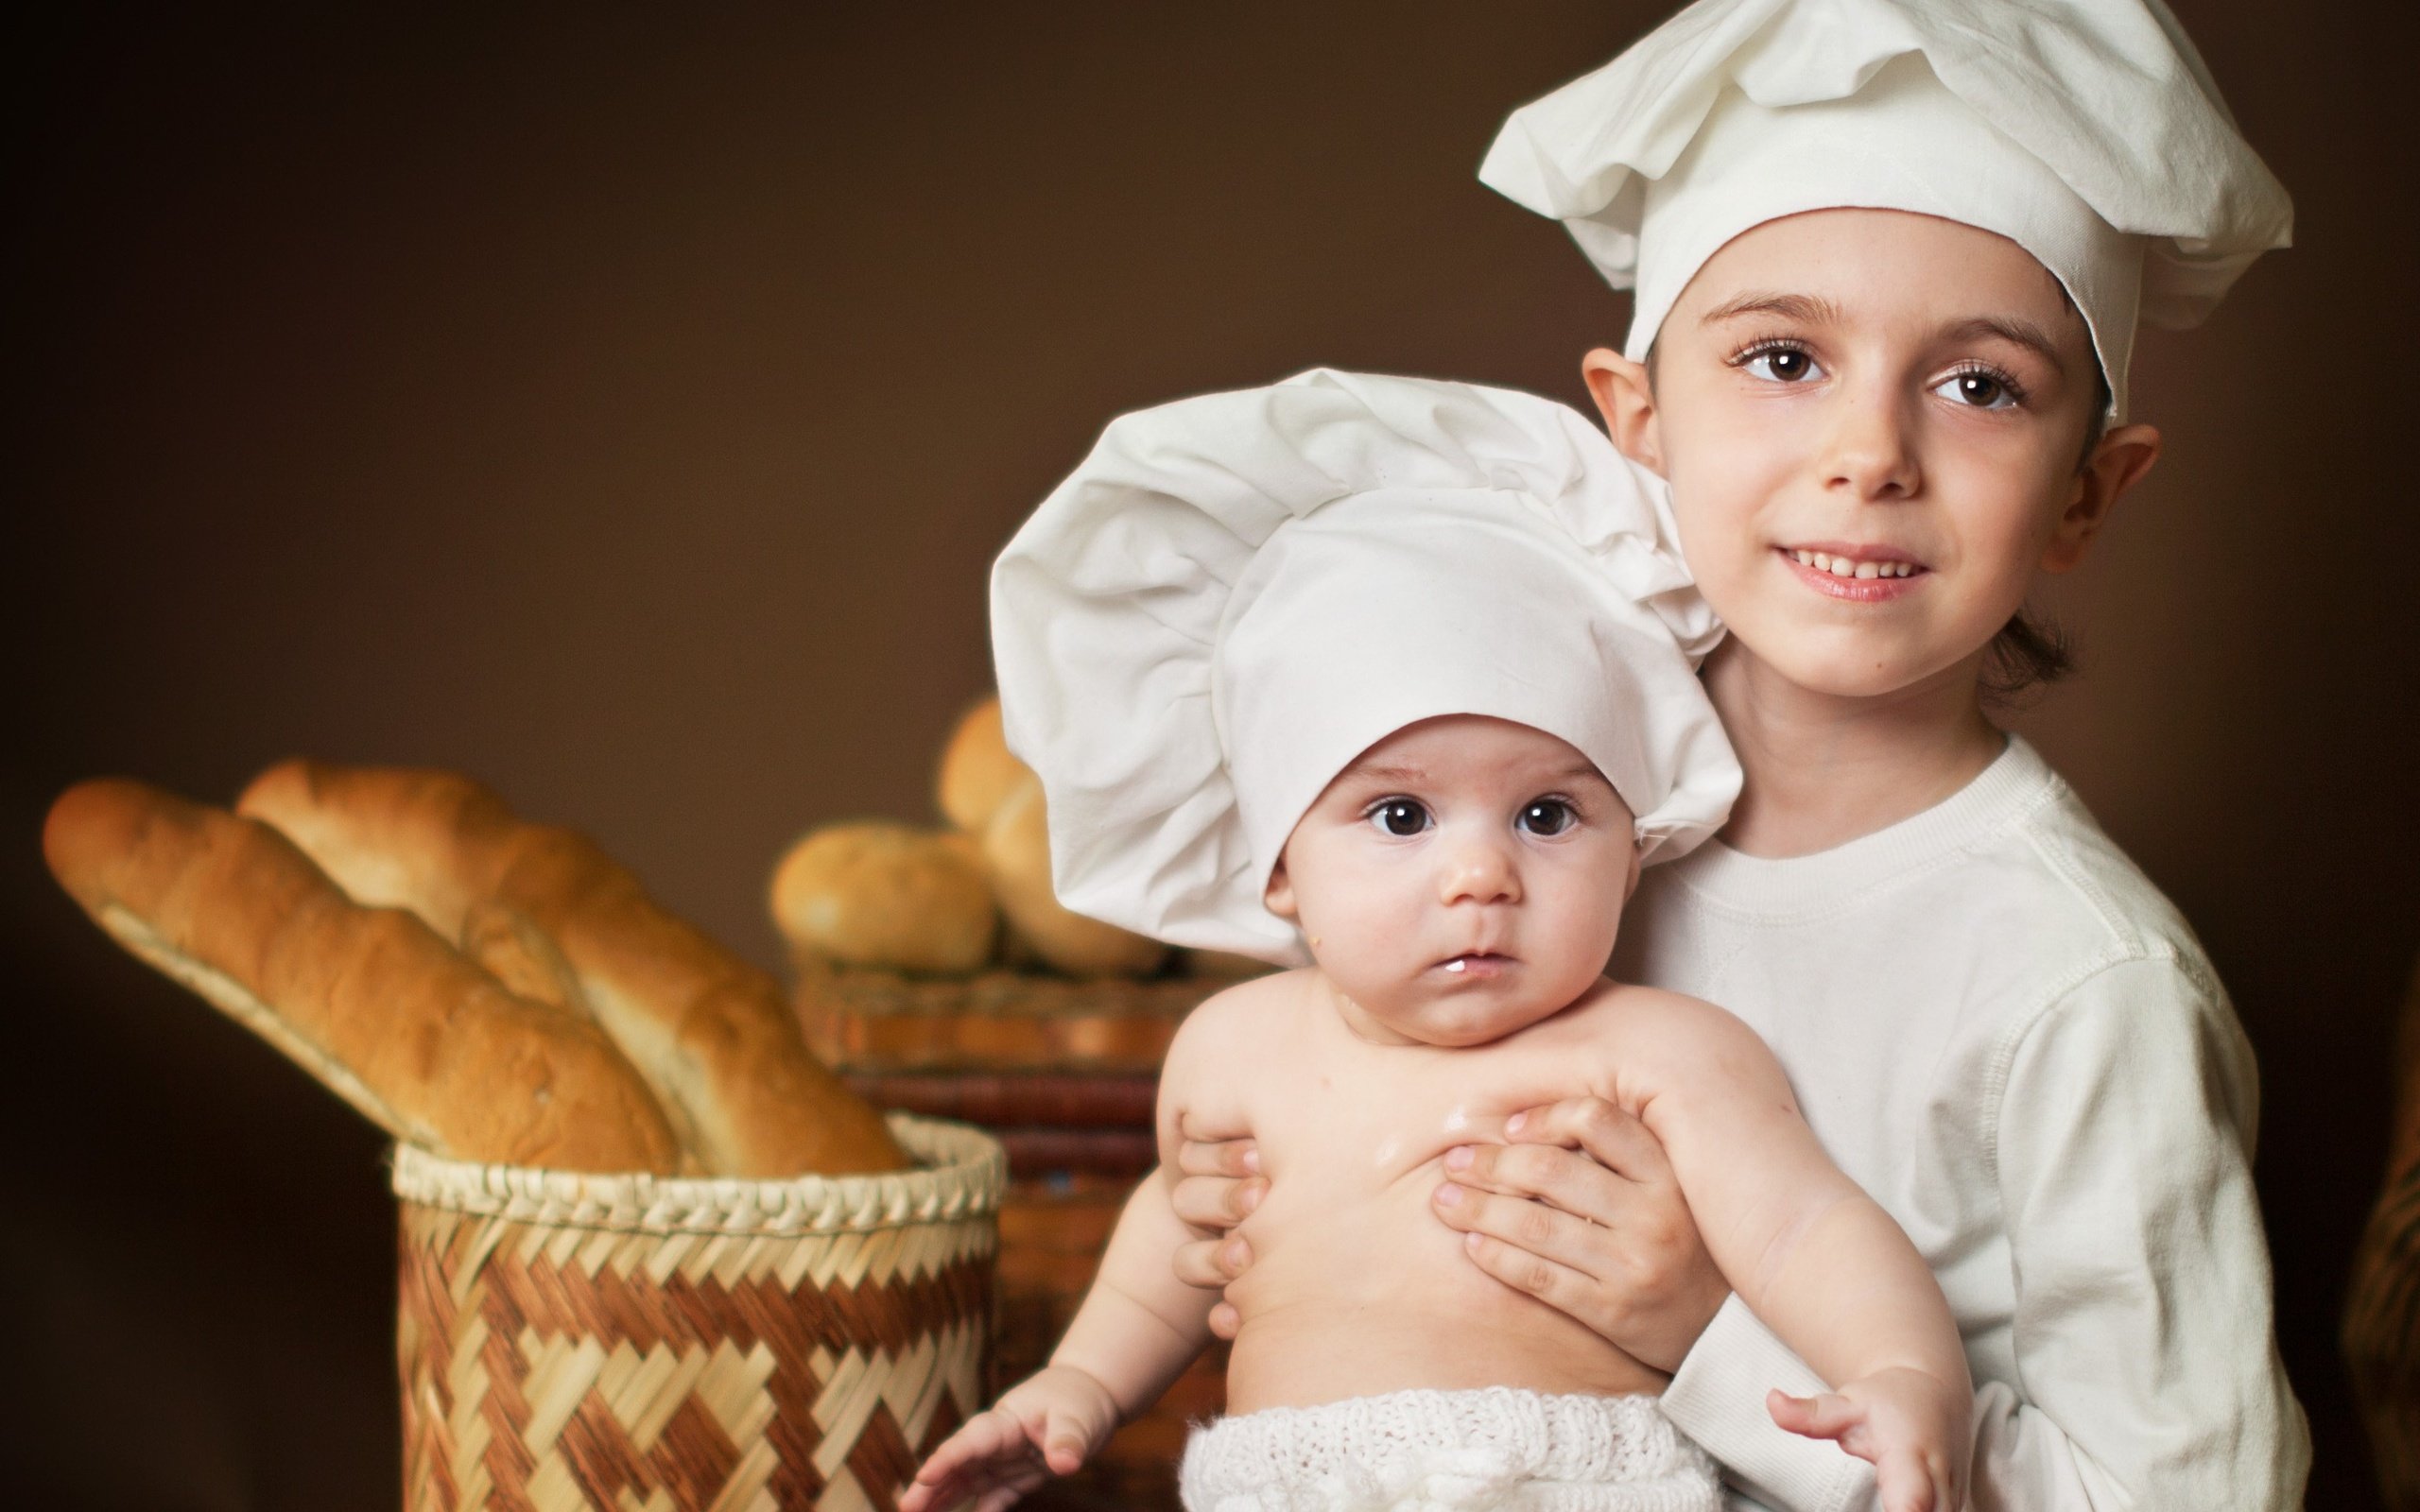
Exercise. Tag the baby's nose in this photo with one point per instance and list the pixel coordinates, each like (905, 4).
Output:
(1479, 869)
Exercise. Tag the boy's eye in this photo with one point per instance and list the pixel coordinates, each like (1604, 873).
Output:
(1548, 816)
(1979, 389)
(1787, 364)
(1400, 817)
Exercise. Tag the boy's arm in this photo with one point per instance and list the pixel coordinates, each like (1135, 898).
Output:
(2142, 1323)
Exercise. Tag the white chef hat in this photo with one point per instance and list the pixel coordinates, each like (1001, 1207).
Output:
(2086, 131)
(1236, 594)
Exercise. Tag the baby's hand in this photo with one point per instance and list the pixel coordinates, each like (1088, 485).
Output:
(1911, 1426)
(1044, 1426)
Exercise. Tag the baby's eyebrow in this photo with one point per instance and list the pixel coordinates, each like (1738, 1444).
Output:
(1806, 309)
(1384, 772)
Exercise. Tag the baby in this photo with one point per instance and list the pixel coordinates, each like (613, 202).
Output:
(1403, 671)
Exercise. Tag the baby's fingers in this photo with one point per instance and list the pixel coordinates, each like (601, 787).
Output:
(1065, 1440)
(1827, 1415)
(1907, 1483)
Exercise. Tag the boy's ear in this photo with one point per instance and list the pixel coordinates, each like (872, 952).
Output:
(1630, 889)
(1279, 894)
(2117, 462)
(1625, 397)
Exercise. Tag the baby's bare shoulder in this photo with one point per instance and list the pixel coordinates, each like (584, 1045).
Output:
(1231, 1026)
(1660, 1036)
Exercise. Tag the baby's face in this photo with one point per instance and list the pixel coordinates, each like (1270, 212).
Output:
(1462, 879)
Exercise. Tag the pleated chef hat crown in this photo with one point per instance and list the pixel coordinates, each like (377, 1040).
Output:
(1235, 595)
(2086, 131)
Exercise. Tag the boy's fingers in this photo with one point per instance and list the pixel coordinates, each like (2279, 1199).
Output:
(1568, 1179)
(1216, 1201)
(1225, 1322)
(1228, 1158)
(1613, 1138)
(1559, 1286)
(1212, 1262)
(1530, 1229)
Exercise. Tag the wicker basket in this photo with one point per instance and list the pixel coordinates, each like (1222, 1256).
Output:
(571, 1343)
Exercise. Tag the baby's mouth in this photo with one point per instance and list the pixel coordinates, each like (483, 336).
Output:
(1475, 964)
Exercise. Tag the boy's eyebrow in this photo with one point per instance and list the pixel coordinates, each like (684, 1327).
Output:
(2010, 329)
(1806, 309)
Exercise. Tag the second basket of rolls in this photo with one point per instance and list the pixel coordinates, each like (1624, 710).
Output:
(938, 974)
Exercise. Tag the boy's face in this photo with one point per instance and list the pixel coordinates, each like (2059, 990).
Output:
(1871, 422)
(1462, 879)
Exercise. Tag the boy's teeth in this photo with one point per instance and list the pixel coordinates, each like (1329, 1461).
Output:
(1843, 567)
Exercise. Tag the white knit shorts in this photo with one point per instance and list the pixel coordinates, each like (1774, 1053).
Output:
(1449, 1451)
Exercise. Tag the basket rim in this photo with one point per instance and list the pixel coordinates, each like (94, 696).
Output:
(965, 1174)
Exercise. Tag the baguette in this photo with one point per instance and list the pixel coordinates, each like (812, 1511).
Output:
(372, 1001)
(712, 1035)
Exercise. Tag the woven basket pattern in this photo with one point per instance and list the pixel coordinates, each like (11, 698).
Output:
(863, 1020)
(628, 1344)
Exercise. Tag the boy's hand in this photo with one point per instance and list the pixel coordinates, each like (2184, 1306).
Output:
(1044, 1426)
(1912, 1427)
(1580, 1209)
(1218, 1186)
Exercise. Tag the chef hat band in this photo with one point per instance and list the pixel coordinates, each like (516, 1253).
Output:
(2087, 131)
(1235, 595)
(1902, 142)
(1391, 607)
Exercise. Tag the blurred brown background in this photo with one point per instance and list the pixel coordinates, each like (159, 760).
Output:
(623, 407)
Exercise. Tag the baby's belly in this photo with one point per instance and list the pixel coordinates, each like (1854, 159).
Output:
(1353, 1294)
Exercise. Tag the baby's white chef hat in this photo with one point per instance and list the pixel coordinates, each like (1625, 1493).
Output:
(1236, 594)
(2086, 131)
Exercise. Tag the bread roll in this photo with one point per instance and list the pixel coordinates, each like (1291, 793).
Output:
(712, 1035)
(977, 773)
(882, 894)
(1016, 855)
(370, 1000)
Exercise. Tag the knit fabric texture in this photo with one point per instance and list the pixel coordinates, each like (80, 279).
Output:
(1449, 1451)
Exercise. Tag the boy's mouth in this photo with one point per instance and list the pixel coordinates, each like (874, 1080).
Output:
(1863, 573)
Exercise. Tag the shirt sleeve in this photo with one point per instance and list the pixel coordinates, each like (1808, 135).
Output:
(2146, 1370)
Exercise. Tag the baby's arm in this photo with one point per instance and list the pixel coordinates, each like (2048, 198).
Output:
(1138, 1327)
(1816, 1258)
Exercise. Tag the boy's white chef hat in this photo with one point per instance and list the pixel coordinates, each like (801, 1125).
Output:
(2086, 131)
(1236, 594)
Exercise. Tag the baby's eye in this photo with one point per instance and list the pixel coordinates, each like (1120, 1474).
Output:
(1979, 389)
(1787, 364)
(1547, 815)
(1400, 815)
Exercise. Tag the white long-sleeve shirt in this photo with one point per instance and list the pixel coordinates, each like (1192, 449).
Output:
(2002, 1030)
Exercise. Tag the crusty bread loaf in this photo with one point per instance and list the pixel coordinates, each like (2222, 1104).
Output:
(977, 773)
(521, 955)
(710, 1033)
(1016, 855)
(369, 1000)
(874, 893)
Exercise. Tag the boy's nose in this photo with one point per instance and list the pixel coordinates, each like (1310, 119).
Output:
(1870, 451)
(1479, 869)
